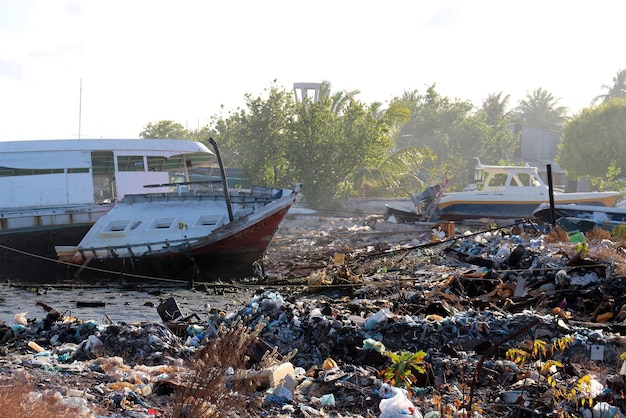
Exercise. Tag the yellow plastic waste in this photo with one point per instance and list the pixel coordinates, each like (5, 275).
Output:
(35, 346)
(329, 364)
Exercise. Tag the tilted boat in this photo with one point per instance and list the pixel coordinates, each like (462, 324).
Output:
(511, 192)
(200, 230)
(189, 235)
(55, 190)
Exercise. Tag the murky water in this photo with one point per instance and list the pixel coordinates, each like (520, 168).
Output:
(112, 304)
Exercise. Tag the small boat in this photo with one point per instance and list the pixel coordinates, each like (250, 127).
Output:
(55, 190)
(203, 232)
(582, 218)
(511, 192)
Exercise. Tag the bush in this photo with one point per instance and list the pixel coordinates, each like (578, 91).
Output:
(206, 390)
(597, 234)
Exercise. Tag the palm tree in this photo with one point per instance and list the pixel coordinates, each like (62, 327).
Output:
(397, 175)
(540, 108)
(494, 107)
(616, 91)
(338, 100)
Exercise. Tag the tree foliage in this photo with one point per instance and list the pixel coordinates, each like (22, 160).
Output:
(454, 133)
(322, 144)
(540, 109)
(617, 90)
(395, 176)
(494, 108)
(331, 143)
(256, 138)
(165, 129)
(593, 139)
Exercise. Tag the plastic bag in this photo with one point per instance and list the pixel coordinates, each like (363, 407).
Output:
(398, 406)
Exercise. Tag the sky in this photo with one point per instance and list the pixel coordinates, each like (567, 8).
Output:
(105, 69)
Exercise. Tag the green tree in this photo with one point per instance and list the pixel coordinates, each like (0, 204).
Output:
(330, 144)
(540, 109)
(494, 108)
(338, 100)
(615, 91)
(255, 139)
(397, 175)
(165, 129)
(593, 139)
(455, 134)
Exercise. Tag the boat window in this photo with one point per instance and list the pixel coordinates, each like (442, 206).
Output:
(102, 162)
(162, 223)
(208, 220)
(117, 226)
(130, 163)
(521, 179)
(534, 181)
(13, 172)
(156, 163)
(77, 170)
(498, 179)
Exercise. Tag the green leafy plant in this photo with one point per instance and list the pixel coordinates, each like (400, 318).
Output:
(403, 365)
(579, 390)
(582, 248)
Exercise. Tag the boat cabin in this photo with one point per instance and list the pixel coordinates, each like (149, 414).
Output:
(515, 179)
(49, 173)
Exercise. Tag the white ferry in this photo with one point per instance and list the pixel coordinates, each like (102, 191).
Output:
(53, 191)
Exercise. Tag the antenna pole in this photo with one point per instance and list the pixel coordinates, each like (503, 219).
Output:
(80, 106)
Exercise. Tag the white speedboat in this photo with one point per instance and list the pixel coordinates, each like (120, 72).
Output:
(511, 192)
(55, 190)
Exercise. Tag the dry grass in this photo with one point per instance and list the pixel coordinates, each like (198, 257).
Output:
(557, 234)
(21, 399)
(597, 234)
(205, 392)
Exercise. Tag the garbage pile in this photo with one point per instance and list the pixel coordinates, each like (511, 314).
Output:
(353, 321)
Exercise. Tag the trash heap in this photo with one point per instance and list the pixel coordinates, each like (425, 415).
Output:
(506, 322)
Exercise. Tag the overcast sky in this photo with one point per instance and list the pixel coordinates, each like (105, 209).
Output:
(142, 61)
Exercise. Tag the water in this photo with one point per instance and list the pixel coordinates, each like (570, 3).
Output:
(120, 305)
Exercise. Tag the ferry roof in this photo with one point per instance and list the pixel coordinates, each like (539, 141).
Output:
(173, 145)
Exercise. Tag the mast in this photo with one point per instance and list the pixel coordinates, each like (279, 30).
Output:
(229, 206)
(80, 106)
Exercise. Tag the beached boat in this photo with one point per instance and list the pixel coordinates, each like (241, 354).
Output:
(55, 190)
(511, 192)
(199, 234)
(508, 192)
(582, 217)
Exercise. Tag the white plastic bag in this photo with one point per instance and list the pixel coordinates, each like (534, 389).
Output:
(398, 406)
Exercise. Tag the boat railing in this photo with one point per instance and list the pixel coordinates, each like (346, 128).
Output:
(189, 186)
(111, 251)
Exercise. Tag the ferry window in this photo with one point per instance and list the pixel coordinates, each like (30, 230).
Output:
(498, 179)
(9, 172)
(130, 163)
(102, 162)
(77, 170)
(156, 163)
